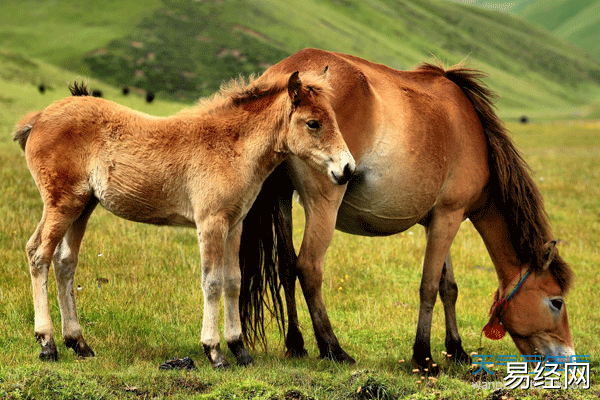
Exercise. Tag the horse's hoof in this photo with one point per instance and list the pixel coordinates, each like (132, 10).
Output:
(295, 353)
(245, 361)
(426, 366)
(80, 347)
(339, 356)
(460, 357)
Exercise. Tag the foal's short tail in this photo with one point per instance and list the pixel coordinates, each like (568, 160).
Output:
(23, 128)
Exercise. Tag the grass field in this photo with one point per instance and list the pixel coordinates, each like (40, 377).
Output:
(140, 303)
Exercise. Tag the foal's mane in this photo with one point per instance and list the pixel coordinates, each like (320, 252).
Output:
(511, 186)
(238, 92)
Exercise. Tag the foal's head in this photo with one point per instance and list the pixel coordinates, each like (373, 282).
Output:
(313, 133)
(536, 317)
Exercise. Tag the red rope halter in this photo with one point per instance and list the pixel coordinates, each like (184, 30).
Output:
(493, 329)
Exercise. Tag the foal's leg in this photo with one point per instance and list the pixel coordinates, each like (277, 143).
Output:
(232, 284)
(65, 263)
(212, 238)
(448, 295)
(40, 248)
(441, 230)
(294, 342)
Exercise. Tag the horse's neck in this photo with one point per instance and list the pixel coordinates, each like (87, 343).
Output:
(493, 229)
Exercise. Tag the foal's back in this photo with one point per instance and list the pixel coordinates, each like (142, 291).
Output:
(82, 148)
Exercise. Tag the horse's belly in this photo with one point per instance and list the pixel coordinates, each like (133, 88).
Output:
(380, 204)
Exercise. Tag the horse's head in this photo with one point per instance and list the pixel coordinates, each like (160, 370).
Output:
(313, 133)
(536, 315)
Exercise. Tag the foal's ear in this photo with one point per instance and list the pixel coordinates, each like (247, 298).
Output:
(325, 72)
(549, 253)
(295, 87)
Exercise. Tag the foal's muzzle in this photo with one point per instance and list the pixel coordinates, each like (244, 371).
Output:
(345, 176)
(345, 170)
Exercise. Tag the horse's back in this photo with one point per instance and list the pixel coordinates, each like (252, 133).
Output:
(416, 137)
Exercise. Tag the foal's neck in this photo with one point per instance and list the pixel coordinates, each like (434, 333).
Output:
(254, 131)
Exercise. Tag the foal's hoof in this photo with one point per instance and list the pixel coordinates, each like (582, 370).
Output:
(221, 364)
(215, 356)
(80, 347)
(48, 354)
(239, 351)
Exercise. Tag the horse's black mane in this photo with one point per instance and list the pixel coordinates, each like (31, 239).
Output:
(79, 89)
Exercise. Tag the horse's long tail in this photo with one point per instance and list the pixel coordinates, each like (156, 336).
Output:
(259, 265)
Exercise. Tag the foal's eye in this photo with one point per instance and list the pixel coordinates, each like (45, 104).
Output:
(313, 124)
(556, 303)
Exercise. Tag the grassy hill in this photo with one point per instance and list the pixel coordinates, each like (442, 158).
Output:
(577, 21)
(183, 49)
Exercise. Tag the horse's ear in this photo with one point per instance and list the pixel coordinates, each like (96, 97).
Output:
(325, 72)
(295, 87)
(549, 253)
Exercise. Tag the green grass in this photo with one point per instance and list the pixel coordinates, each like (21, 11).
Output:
(184, 49)
(140, 302)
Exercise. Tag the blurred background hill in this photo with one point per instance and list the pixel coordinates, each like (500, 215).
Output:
(183, 49)
(576, 21)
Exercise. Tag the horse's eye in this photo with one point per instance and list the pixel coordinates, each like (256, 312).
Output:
(556, 303)
(313, 124)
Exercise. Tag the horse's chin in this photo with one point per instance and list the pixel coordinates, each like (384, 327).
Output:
(544, 345)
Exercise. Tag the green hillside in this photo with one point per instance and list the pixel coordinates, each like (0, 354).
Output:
(183, 49)
(577, 21)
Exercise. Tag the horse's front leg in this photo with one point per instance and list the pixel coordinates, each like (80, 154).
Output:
(441, 230)
(321, 201)
(232, 285)
(449, 295)
(212, 237)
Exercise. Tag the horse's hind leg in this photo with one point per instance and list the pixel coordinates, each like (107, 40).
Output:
(40, 249)
(448, 295)
(441, 230)
(65, 263)
(231, 290)
(294, 342)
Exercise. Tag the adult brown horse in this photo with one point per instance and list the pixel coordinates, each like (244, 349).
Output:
(201, 168)
(431, 151)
